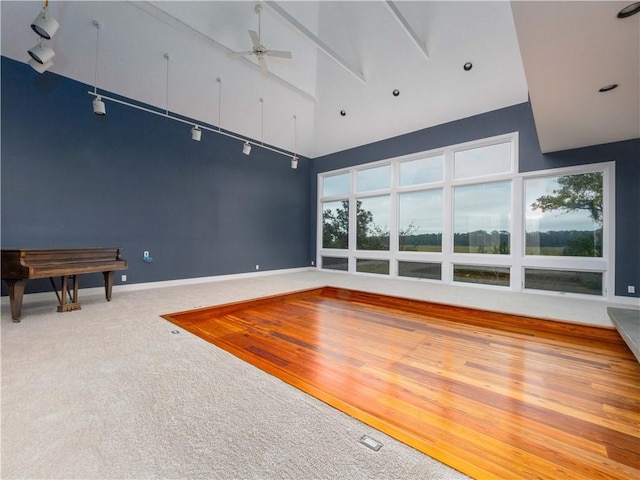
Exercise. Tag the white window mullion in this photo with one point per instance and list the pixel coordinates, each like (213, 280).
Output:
(609, 228)
(517, 234)
(352, 222)
(394, 222)
(447, 219)
(319, 210)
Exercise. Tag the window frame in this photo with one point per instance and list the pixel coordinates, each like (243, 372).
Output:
(604, 264)
(516, 259)
(399, 195)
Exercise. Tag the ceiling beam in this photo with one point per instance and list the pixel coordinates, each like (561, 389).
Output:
(315, 40)
(179, 25)
(407, 28)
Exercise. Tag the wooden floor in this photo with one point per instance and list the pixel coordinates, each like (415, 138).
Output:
(492, 395)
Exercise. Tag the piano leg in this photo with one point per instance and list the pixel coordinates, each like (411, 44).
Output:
(74, 304)
(16, 292)
(74, 298)
(108, 284)
(64, 288)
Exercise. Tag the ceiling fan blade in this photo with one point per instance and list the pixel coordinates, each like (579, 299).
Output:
(279, 53)
(239, 54)
(254, 38)
(263, 66)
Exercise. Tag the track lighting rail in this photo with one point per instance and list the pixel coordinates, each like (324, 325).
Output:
(166, 114)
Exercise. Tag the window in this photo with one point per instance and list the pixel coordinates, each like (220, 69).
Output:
(374, 178)
(477, 162)
(420, 221)
(482, 218)
(335, 263)
(589, 283)
(432, 271)
(464, 215)
(335, 224)
(564, 215)
(373, 223)
(565, 243)
(488, 275)
(335, 185)
(422, 170)
(365, 265)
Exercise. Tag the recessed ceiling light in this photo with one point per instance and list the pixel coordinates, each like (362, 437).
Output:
(629, 10)
(343, 113)
(467, 66)
(608, 88)
(396, 92)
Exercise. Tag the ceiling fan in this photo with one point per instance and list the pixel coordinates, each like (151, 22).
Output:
(259, 50)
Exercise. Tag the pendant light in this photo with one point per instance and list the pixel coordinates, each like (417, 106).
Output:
(196, 133)
(219, 82)
(166, 109)
(99, 107)
(294, 159)
(261, 120)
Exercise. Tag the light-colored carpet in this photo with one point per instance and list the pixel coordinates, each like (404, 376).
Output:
(111, 392)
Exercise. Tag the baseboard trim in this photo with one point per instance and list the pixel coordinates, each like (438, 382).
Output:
(629, 301)
(168, 283)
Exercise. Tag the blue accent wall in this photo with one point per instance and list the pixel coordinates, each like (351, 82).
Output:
(518, 118)
(137, 181)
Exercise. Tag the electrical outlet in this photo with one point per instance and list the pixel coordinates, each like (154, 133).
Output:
(631, 289)
(257, 267)
(124, 278)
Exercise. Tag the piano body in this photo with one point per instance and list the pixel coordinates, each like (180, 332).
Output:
(20, 265)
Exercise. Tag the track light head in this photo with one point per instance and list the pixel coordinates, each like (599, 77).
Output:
(40, 67)
(246, 149)
(196, 133)
(98, 106)
(294, 162)
(45, 25)
(42, 53)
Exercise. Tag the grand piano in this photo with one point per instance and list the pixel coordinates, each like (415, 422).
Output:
(20, 265)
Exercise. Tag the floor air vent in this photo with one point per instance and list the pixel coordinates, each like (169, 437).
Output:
(367, 441)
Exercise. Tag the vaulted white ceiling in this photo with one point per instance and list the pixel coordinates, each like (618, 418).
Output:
(350, 56)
